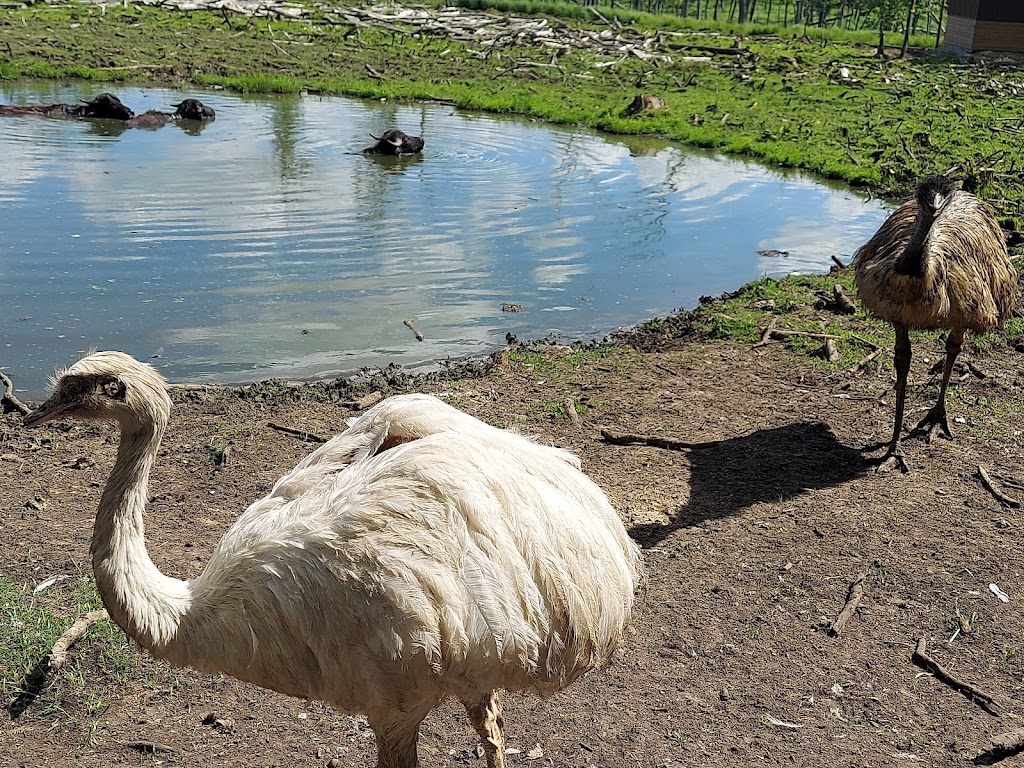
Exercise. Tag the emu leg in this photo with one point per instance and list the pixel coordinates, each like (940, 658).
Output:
(936, 418)
(488, 722)
(901, 360)
(396, 739)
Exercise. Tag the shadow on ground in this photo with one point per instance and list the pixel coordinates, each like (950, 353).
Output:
(728, 476)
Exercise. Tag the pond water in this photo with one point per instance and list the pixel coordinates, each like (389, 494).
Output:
(266, 245)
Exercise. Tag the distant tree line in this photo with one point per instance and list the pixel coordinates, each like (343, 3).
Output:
(909, 16)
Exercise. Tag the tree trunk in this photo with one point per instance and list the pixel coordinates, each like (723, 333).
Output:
(906, 29)
(938, 32)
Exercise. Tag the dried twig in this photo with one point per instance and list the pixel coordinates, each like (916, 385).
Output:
(1004, 745)
(992, 488)
(844, 301)
(364, 402)
(408, 324)
(831, 351)
(625, 438)
(853, 596)
(9, 397)
(865, 360)
(978, 696)
(838, 262)
(150, 747)
(570, 407)
(776, 333)
(307, 437)
(59, 652)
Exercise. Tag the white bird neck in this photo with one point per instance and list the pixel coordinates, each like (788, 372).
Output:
(146, 604)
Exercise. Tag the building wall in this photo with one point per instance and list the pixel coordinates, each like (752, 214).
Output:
(986, 25)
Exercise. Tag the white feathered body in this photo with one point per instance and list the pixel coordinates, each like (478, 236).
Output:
(420, 554)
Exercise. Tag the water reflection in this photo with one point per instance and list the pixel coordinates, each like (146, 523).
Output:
(267, 244)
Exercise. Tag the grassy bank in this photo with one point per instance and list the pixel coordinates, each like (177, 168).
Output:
(826, 104)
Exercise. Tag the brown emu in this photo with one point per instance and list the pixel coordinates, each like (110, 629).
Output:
(939, 261)
(106, 106)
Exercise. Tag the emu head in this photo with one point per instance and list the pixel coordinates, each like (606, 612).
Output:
(193, 109)
(934, 192)
(106, 106)
(109, 386)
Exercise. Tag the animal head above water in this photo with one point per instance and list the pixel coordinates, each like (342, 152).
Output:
(193, 109)
(106, 106)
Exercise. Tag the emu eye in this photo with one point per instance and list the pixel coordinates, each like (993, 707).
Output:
(113, 388)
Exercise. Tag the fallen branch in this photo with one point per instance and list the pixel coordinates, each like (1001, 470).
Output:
(865, 360)
(364, 402)
(9, 396)
(59, 652)
(978, 696)
(831, 351)
(844, 301)
(626, 438)
(778, 334)
(570, 407)
(408, 324)
(991, 487)
(150, 747)
(853, 596)
(306, 437)
(1004, 745)
(838, 262)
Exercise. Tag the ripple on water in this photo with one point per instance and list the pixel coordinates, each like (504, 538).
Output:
(267, 244)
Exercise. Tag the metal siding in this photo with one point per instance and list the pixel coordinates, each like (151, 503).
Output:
(1000, 10)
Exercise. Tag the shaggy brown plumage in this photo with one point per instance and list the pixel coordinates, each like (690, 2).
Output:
(939, 261)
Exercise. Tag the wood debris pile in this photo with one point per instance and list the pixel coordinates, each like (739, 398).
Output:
(493, 31)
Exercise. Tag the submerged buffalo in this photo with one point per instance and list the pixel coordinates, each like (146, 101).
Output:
(189, 109)
(106, 106)
(394, 142)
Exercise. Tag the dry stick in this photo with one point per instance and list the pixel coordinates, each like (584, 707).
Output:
(767, 332)
(627, 438)
(408, 324)
(9, 396)
(151, 747)
(307, 437)
(773, 333)
(364, 402)
(978, 696)
(843, 300)
(1004, 745)
(838, 262)
(990, 485)
(59, 652)
(570, 407)
(853, 596)
(865, 360)
(831, 351)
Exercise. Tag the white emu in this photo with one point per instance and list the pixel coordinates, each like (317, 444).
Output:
(421, 554)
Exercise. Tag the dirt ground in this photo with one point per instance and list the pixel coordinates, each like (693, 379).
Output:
(752, 540)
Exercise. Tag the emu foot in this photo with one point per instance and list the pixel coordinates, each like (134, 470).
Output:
(893, 458)
(934, 421)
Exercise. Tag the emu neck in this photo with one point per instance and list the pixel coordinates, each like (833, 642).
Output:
(912, 261)
(146, 604)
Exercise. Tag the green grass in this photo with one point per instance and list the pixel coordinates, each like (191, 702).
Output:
(29, 626)
(783, 102)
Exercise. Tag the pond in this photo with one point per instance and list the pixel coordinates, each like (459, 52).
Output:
(266, 245)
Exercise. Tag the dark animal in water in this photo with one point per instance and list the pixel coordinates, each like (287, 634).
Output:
(939, 261)
(394, 142)
(189, 109)
(106, 106)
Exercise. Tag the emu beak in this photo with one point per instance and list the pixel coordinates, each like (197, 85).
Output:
(51, 409)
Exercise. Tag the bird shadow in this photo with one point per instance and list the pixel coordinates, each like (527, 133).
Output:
(28, 691)
(728, 476)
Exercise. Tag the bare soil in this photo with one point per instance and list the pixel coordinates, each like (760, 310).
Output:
(752, 539)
